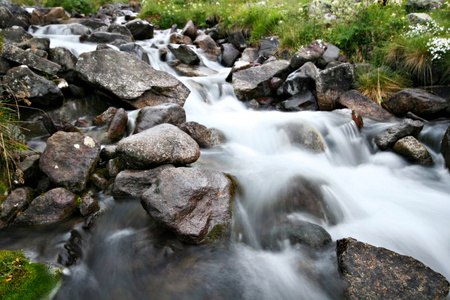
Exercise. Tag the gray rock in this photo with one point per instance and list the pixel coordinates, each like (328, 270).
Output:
(136, 50)
(190, 30)
(63, 57)
(229, 54)
(331, 54)
(304, 136)
(12, 14)
(301, 232)
(69, 159)
(194, 203)
(445, 148)
(25, 84)
(120, 29)
(162, 144)
(14, 204)
(207, 44)
(255, 82)
(237, 39)
(101, 37)
(194, 71)
(126, 77)
(29, 59)
(141, 30)
(249, 55)
(362, 105)
(151, 116)
(217, 137)
(5, 65)
(333, 82)
(27, 170)
(303, 79)
(420, 5)
(53, 206)
(311, 53)
(416, 18)
(133, 183)
(105, 117)
(199, 133)
(185, 54)
(300, 102)
(35, 43)
(411, 149)
(390, 136)
(377, 273)
(268, 46)
(417, 101)
(115, 166)
(15, 34)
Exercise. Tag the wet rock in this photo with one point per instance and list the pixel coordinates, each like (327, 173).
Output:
(151, 116)
(445, 148)
(161, 144)
(185, 54)
(63, 57)
(362, 105)
(72, 251)
(377, 273)
(126, 77)
(141, 30)
(417, 101)
(217, 137)
(27, 170)
(249, 55)
(88, 205)
(115, 166)
(390, 136)
(300, 80)
(301, 232)
(238, 40)
(15, 34)
(255, 82)
(53, 206)
(98, 180)
(118, 125)
(105, 117)
(176, 38)
(100, 37)
(53, 125)
(190, 30)
(229, 54)
(69, 158)
(304, 136)
(136, 50)
(311, 53)
(133, 183)
(194, 71)
(15, 204)
(304, 100)
(29, 59)
(333, 82)
(195, 203)
(25, 84)
(207, 44)
(411, 149)
(120, 29)
(199, 133)
(268, 47)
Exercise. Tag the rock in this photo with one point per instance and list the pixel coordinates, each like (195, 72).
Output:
(255, 82)
(63, 57)
(25, 84)
(15, 34)
(72, 251)
(304, 136)
(151, 116)
(105, 117)
(303, 79)
(15, 204)
(301, 232)
(98, 180)
(118, 125)
(141, 30)
(54, 14)
(420, 5)
(331, 54)
(302, 101)
(100, 37)
(199, 133)
(377, 273)
(362, 105)
(311, 53)
(194, 71)
(417, 101)
(390, 136)
(176, 38)
(35, 43)
(13, 15)
(249, 55)
(268, 46)
(195, 203)
(115, 166)
(133, 183)
(27, 171)
(126, 77)
(5, 65)
(53, 125)
(416, 18)
(53, 206)
(217, 137)
(411, 149)
(190, 30)
(162, 144)
(185, 54)
(120, 29)
(237, 39)
(136, 50)
(229, 55)
(88, 205)
(69, 159)
(333, 82)
(29, 59)
(207, 44)
(445, 148)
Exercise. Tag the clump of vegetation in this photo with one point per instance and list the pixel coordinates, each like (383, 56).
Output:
(20, 279)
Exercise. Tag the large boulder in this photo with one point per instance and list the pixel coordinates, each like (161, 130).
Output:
(136, 50)
(362, 105)
(411, 149)
(127, 78)
(141, 30)
(28, 58)
(53, 206)
(371, 272)
(15, 34)
(159, 145)
(445, 147)
(185, 54)
(194, 203)
(151, 116)
(12, 14)
(25, 84)
(255, 82)
(69, 159)
(311, 53)
(63, 57)
(417, 101)
(391, 135)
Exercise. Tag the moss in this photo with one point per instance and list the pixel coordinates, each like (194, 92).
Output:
(20, 279)
(218, 232)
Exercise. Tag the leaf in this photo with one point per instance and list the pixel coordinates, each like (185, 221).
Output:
(8, 279)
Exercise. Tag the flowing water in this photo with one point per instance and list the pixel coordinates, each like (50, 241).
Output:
(375, 197)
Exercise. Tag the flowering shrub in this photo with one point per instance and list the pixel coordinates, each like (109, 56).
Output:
(438, 47)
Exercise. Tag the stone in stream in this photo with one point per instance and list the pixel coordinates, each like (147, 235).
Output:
(141, 30)
(229, 55)
(207, 44)
(17, 201)
(118, 125)
(194, 71)
(371, 272)
(304, 100)
(199, 133)
(130, 80)
(185, 54)
(136, 50)
(151, 116)
(303, 79)
(176, 38)
(362, 105)
(195, 203)
(101, 37)
(391, 135)
(411, 149)
(190, 30)
(120, 29)
(304, 136)
(445, 148)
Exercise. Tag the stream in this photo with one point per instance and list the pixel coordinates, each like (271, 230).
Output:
(376, 197)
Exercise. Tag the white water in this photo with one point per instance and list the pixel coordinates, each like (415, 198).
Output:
(378, 197)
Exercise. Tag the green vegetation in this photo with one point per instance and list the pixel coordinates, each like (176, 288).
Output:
(20, 279)
(81, 6)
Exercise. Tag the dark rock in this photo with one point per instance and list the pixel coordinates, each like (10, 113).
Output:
(195, 203)
(377, 273)
(15, 34)
(88, 205)
(445, 148)
(53, 125)
(420, 5)
(29, 59)
(207, 44)
(364, 106)
(105, 117)
(333, 82)
(275, 83)
(411, 149)
(27, 170)
(199, 133)
(390, 136)
(5, 65)
(25, 84)
(194, 71)
(100, 37)
(126, 77)
(136, 50)
(162, 144)
(301, 232)
(311, 53)
(185, 54)
(63, 57)
(268, 46)
(69, 158)
(133, 183)
(300, 80)
(358, 120)
(176, 38)
(99, 181)
(15, 204)
(151, 116)
(13, 15)
(255, 82)
(417, 101)
(92, 24)
(331, 54)
(237, 39)
(118, 125)
(120, 29)
(72, 251)
(304, 100)
(53, 206)
(35, 43)
(190, 30)
(115, 166)
(108, 152)
(305, 136)
(141, 30)
(229, 54)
